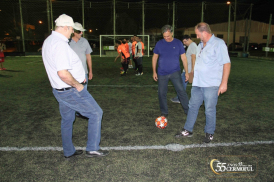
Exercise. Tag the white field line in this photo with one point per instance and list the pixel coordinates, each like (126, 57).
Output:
(36, 62)
(128, 85)
(172, 147)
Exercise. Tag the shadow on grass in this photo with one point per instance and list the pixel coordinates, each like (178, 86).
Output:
(14, 71)
(5, 76)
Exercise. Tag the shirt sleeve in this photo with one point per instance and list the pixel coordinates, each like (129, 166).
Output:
(156, 48)
(182, 49)
(192, 48)
(139, 45)
(222, 54)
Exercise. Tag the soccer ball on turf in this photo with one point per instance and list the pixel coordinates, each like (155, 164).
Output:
(161, 122)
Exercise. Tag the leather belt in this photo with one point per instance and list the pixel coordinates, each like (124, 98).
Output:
(63, 89)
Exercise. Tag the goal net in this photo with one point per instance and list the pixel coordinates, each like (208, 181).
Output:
(107, 44)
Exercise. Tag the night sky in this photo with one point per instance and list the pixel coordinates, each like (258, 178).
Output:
(261, 8)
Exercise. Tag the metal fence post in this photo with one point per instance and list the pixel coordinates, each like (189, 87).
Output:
(114, 21)
(22, 25)
(48, 16)
(228, 26)
(143, 17)
(268, 35)
(202, 16)
(173, 17)
(249, 28)
(83, 16)
(51, 15)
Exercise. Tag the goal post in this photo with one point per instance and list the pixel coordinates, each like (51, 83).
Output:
(107, 44)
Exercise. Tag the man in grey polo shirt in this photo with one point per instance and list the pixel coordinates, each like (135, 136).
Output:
(82, 48)
(66, 75)
(191, 57)
(139, 56)
(211, 72)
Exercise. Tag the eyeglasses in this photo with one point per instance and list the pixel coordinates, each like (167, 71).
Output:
(77, 31)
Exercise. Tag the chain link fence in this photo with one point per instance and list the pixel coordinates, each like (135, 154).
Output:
(24, 24)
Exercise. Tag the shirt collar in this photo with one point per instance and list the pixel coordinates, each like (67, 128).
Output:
(209, 41)
(61, 36)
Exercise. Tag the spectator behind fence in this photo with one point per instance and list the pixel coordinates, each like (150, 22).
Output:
(191, 57)
(82, 48)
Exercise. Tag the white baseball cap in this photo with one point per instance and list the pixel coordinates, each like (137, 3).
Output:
(64, 20)
(78, 26)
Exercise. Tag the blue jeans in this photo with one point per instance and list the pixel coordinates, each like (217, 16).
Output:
(178, 85)
(183, 75)
(82, 102)
(210, 96)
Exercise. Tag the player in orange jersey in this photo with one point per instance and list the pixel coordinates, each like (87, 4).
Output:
(143, 46)
(124, 54)
(134, 42)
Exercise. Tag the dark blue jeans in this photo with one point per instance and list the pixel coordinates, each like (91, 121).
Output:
(82, 102)
(176, 80)
(183, 75)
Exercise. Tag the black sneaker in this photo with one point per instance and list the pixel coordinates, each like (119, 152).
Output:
(208, 138)
(175, 100)
(184, 133)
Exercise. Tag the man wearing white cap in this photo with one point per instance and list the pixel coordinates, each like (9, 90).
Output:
(82, 48)
(67, 76)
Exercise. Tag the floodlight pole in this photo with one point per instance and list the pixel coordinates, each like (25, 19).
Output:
(268, 35)
(22, 26)
(234, 31)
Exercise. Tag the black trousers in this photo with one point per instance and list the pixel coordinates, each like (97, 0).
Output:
(139, 62)
(135, 63)
(125, 64)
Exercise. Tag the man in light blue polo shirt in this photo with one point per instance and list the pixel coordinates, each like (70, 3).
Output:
(211, 72)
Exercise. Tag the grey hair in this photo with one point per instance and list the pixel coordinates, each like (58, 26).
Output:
(167, 28)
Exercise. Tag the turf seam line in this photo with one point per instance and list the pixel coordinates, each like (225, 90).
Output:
(172, 147)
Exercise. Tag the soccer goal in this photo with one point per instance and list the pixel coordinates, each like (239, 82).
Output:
(107, 44)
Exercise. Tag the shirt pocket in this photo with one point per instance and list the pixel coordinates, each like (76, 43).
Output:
(209, 56)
